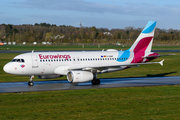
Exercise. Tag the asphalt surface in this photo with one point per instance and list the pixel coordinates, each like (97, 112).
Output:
(25, 51)
(17, 87)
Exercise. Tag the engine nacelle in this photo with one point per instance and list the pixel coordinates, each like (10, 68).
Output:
(79, 76)
(48, 76)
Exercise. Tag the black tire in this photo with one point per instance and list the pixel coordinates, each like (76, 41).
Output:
(95, 82)
(98, 82)
(30, 83)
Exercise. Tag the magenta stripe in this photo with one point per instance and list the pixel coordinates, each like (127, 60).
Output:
(139, 50)
(142, 44)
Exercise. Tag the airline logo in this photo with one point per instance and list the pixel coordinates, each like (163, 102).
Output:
(22, 65)
(41, 56)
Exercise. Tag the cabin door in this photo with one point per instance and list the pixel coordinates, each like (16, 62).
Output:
(34, 61)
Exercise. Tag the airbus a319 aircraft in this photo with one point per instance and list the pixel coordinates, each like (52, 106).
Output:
(84, 66)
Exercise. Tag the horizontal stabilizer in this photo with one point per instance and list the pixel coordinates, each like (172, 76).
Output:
(161, 62)
(158, 56)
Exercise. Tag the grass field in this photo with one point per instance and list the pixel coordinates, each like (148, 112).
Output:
(150, 103)
(76, 47)
(136, 103)
(73, 47)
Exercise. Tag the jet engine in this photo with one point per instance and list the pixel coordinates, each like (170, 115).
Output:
(79, 76)
(48, 76)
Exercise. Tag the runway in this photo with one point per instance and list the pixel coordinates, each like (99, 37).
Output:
(26, 51)
(17, 87)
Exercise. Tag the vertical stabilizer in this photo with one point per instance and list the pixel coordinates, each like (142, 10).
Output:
(144, 41)
(143, 44)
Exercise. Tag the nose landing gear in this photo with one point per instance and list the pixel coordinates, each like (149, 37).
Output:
(30, 83)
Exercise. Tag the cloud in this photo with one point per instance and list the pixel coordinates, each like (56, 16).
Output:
(99, 13)
(140, 9)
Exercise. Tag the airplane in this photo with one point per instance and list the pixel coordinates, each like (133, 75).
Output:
(83, 66)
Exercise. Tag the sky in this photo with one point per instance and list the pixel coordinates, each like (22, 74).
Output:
(111, 14)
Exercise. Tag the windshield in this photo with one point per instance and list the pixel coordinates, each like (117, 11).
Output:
(18, 60)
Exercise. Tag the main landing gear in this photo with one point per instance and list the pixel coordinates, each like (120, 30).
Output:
(30, 83)
(96, 82)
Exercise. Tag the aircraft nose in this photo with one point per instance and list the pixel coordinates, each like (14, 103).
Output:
(6, 68)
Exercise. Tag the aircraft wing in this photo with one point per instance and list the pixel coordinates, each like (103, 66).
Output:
(102, 67)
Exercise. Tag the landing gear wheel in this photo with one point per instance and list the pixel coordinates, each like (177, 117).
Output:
(30, 83)
(96, 82)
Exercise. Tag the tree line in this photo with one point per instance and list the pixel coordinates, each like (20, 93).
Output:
(45, 32)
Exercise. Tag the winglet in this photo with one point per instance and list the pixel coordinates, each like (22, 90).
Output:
(161, 62)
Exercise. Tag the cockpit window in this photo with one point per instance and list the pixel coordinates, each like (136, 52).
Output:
(14, 60)
(22, 60)
(18, 60)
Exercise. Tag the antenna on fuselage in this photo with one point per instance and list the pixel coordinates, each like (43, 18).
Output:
(32, 51)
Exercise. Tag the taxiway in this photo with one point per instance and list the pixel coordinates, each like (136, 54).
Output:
(16, 87)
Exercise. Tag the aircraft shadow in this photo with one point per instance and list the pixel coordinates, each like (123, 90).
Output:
(160, 75)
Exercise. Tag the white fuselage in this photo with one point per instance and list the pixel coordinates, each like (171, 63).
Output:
(45, 63)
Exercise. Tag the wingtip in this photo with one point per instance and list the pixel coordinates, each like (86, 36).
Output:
(161, 62)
